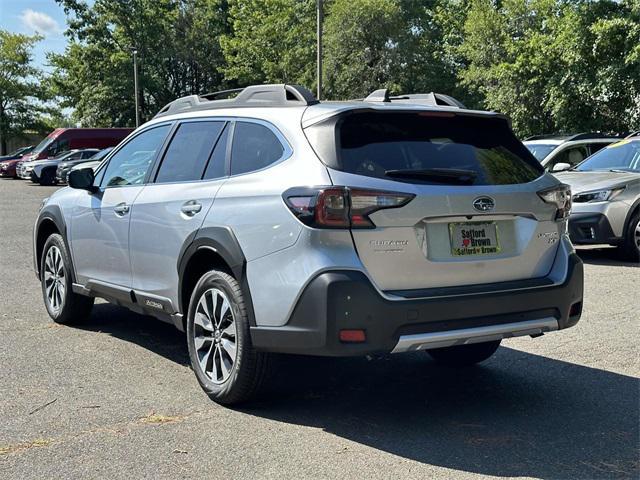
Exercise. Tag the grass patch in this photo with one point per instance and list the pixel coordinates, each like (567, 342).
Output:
(155, 418)
(39, 442)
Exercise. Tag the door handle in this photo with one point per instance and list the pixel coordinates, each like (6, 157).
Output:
(191, 208)
(121, 209)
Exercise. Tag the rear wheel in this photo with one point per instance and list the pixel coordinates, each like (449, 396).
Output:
(227, 366)
(464, 355)
(630, 248)
(62, 304)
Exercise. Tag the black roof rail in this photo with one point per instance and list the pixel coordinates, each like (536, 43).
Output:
(275, 95)
(587, 136)
(432, 99)
(541, 137)
(569, 137)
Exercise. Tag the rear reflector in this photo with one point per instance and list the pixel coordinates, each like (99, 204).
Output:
(353, 336)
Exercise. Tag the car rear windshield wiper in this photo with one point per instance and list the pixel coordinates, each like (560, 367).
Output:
(439, 175)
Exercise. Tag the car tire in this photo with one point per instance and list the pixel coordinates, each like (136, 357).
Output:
(226, 365)
(464, 355)
(47, 177)
(630, 248)
(63, 305)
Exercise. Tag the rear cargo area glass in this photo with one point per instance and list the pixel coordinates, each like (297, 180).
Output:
(373, 143)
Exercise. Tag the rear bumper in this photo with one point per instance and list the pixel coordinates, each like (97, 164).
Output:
(346, 300)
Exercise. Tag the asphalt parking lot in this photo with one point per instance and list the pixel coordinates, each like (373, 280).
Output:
(115, 398)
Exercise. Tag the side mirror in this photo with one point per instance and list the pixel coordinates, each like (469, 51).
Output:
(82, 179)
(560, 167)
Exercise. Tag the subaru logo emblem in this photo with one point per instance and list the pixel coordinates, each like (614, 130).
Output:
(484, 204)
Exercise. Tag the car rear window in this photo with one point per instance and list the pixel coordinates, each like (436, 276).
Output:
(377, 143)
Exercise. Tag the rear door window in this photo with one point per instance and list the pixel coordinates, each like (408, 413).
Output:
(437, 147)
(187, 155)
(254, 147)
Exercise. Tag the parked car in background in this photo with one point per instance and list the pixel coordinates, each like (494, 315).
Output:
(17, 153)
(24, 168)
(64, 167)
(44, 171)
(93, 165)
(8, 168)
(606, 198)
(566, 149)
(272, 222)
(64, 139)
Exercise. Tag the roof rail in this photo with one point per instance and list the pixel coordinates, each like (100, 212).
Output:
(431, 99)
(540, 137)
(569, 137)
(633, 134)
(275, 95)
(586, 136)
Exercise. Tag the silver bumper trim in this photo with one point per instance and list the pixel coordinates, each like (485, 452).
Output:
(464, 336)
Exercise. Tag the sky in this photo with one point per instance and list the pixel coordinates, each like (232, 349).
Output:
(30, 16)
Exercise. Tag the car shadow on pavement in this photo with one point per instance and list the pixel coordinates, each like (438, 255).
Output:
(145, 331)
(518, 414)
(604, 256)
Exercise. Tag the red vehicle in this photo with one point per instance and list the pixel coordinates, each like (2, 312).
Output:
(63, 139)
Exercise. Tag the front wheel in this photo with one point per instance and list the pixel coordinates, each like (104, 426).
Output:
(464, 355)
(48, 176)
(630, 247)
(62, 304)
(227, 366)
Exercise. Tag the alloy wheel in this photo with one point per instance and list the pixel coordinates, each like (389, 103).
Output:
(214, 335)
(54, 279)
(636, 236)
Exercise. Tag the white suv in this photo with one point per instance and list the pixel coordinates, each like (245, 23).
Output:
(561, 152)
(271, 222)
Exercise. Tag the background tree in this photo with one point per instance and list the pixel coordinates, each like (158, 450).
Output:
(555, 66)
(271, 41)
(22, 98)
(363, 45)
(178, 51)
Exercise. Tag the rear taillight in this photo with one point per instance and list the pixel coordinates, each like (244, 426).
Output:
(340, 207)
(560, 196)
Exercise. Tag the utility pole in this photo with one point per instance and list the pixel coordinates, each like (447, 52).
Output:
(320, 15)
(135, 84)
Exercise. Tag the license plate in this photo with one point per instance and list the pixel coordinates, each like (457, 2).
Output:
(474, 238)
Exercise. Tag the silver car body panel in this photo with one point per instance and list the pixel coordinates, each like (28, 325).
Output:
(618, 209)
(140, 250)
(99, 236)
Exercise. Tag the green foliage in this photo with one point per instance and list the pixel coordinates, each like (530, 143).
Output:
(363, 47)
(177, 48)
(22, 98)
(552, 65)
(555, 65)
(272, 41)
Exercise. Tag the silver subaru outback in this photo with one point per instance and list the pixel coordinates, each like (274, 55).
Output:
(269, 222)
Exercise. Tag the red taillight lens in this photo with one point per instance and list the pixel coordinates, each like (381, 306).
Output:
(332, 208)
(560, 196)
(341, 207)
